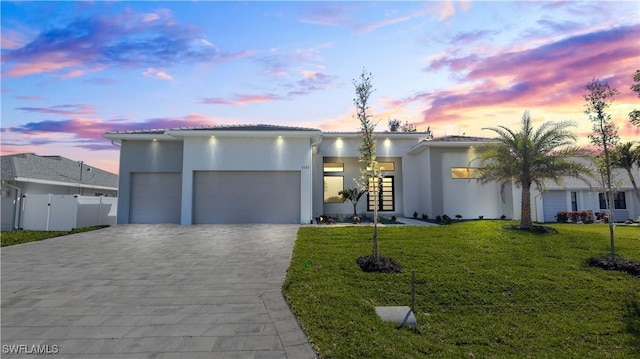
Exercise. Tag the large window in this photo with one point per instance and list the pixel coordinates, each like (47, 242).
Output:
(385, 194)
(333, 181)
(332, 186)
(619, 201)
(464, 172)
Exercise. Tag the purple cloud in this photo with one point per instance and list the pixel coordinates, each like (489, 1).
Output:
(64, 110)
(129, 40)
(551, 75)
(473, 36)
(312, 81)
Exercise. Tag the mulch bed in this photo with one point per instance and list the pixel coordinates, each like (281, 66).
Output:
(384, 265)
(619, 264)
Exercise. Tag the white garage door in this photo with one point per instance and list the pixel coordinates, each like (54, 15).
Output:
(246, 197)
(552, 203)
(155, 197)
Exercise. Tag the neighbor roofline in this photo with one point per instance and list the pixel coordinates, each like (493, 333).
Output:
(58, 183)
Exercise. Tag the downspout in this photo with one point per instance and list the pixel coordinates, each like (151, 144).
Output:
(314, 151)
(316, 143)
(16, 205)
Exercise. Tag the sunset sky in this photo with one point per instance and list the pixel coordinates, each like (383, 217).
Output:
(72, 71)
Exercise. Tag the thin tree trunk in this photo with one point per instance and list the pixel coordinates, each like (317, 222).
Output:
(609, 195)
(611, 207)
(525, 207)
(375, 220)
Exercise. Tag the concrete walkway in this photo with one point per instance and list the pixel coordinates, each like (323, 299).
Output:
(152, 291)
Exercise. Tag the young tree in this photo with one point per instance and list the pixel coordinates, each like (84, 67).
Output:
(625, 156)
(634, 115)
(529, 156)
(604, 137)
(370, 174)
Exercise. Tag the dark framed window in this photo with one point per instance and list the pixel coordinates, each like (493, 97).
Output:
(619, 201)
(386, 194)
(574, 201)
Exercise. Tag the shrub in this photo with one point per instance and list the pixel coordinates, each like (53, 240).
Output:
(415, 214)
(480, 217)
(438, 219)
(425, 217)
(503, 217)
(446, 219)
(393, 218)
(458, 216)
(562, 217)
(575, 216)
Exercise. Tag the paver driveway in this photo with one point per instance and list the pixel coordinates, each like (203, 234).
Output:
(153, 291)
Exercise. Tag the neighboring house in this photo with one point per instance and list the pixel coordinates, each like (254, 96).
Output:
(27, 174)
(574, 194)
(278, 174)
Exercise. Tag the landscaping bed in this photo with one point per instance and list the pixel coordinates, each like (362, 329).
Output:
(482, 291)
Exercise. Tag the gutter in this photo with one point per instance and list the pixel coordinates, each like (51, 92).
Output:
(16, 205)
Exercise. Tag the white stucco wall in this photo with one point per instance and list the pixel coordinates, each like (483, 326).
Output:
(251, 154)
(466, 196)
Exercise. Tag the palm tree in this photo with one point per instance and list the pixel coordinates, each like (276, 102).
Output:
(353, 195)
(528, 157)
(625, 157)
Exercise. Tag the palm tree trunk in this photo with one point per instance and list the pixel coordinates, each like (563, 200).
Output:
(525, 207)
(633, 183)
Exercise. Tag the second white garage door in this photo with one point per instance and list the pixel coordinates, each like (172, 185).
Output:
(246, 197)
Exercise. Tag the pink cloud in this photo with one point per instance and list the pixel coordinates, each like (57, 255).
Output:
(42, 64)
(12, 39)
(161, 75)
(550, 76)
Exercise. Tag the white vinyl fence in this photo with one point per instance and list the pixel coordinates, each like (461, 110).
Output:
(50, 212)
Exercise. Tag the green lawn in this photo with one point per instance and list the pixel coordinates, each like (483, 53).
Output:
(20, 236)
(482, 292)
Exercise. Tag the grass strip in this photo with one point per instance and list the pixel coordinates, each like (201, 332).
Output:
(11, 238)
